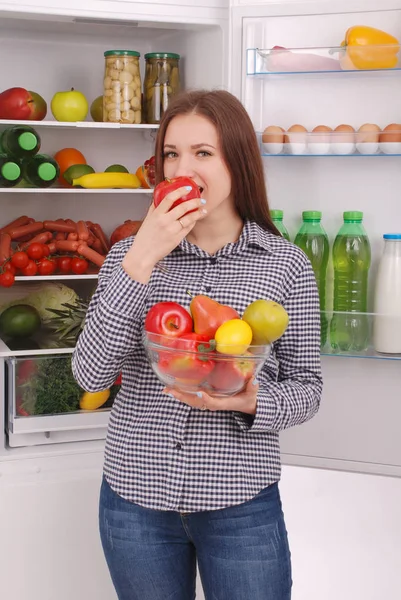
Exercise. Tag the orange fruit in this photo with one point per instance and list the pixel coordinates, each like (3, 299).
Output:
(66, 158)
(140, 173)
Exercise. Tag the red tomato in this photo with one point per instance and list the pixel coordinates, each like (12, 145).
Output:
(169, 185)
(193, 365)
(64, 264)
(35, 251)
(6, 279)
(46, 266)
(30, 269)
(168, 318)
(20, 259)
(46, 250)
(79, 266)
(9, 268)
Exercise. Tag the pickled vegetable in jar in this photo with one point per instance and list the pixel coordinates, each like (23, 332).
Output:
(161, 83)
(122, 87)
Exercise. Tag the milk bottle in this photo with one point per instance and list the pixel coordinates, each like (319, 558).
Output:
(387, 321)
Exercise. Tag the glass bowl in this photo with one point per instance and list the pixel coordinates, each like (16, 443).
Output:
(193, 370)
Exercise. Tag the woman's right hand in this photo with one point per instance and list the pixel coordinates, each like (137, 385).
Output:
(161, 231)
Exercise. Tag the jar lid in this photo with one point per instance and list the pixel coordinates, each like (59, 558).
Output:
(122, 53)
(276, 213)
(353, 215)
(162, 55)
(311, 215)
(392, 236)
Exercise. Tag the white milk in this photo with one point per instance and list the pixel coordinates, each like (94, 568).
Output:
(387, 322)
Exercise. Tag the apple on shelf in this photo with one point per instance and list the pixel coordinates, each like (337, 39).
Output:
(20, 104)
(69, 106)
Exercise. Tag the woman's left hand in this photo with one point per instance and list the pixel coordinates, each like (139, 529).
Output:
(243, 402)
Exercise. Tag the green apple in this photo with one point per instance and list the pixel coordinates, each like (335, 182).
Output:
(69, 106)
(267, 319)
(96, 109)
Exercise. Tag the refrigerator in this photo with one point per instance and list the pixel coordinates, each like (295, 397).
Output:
(341, 483)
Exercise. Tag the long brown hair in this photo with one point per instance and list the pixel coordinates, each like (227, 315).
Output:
(239, 148)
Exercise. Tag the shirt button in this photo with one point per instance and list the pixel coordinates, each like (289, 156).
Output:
(207, 288)
(213, 260)
(178, 446)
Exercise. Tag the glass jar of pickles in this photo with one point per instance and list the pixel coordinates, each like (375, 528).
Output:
(162, 81)
(122, 87)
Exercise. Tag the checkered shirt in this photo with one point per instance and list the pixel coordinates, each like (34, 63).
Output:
(161, 453)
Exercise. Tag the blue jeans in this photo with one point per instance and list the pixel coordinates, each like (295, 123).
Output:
(242, 551)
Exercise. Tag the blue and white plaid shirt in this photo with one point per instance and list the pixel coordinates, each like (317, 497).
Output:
(161, 453)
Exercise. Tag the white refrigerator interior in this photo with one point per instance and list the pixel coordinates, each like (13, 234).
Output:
(343, 518)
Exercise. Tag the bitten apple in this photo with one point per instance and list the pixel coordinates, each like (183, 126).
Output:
(169, 185)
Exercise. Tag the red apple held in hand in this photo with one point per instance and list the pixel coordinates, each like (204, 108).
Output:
(169, 185)
(20, 104)
(168, 318)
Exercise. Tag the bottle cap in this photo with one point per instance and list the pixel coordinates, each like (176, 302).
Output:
(27, 141)
(10, 171)
(47, 171)
(353, 215)
(392, 236)
(275, 213)
(311, 215)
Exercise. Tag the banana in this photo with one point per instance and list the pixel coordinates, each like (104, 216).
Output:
(107, 180)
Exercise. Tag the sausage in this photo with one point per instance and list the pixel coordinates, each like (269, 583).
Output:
(91, 254)
(67, 245)
(19, 232)
(99, 233)
(57, 226)
(5, 247)
(41, 238)
(72, 236)
(83, 231)
(60, 235)
(96, 245)
(91, 239)
(24, 220)
(52, 247)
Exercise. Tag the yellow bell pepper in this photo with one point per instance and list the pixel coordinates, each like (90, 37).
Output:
(93, 400)
(369, 48)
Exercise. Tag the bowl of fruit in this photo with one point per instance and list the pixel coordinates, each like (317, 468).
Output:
(210, 347)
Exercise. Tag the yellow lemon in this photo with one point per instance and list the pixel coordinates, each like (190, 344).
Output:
(93, 400)
(233, 337)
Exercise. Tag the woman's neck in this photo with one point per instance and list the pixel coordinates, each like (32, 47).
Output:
(215, 231)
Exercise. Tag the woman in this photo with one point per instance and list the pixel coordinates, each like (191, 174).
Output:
(192, 479)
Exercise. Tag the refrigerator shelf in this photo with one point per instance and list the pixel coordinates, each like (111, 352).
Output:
(56, 190)
(314, 155)
(301, 61)
(77, 124)
(56, 277)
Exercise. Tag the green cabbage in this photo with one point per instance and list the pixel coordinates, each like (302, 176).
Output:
(49, 295)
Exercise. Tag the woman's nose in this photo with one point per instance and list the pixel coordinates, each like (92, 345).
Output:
(183, 167)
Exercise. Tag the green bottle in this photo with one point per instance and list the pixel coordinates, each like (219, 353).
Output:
(313, 240)
(40, 171)
(10, 172)
(277, 218)
(351, 263)
(20, 141)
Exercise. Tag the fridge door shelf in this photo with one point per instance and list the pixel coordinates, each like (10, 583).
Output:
(300, 61)
(361, 335)
(78, 124)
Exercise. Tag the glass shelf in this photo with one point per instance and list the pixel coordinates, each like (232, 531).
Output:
(295, 61)
(361, 335)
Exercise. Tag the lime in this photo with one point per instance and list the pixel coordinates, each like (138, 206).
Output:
(20, 320)
(76, 171)
(116, 169)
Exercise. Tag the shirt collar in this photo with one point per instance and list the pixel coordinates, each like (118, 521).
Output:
(251, 235)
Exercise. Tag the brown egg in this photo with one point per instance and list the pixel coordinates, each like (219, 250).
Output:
(347, 131)
(295, 129)
(324, 130)
(273, 135)
(391, 133)
(369, 132)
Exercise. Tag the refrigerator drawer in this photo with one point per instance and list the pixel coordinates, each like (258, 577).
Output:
(43, 403)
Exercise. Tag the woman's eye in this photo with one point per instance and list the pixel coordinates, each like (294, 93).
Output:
(204, 153)
(170, 154)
